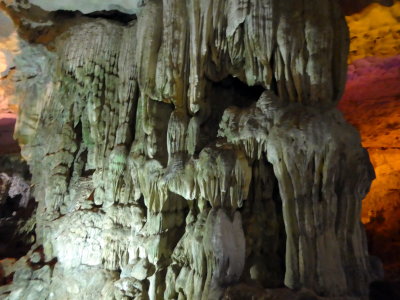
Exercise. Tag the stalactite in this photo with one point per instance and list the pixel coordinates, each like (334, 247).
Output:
(153, 150)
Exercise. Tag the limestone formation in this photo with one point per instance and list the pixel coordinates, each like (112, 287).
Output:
(89, 6)
(192, 149)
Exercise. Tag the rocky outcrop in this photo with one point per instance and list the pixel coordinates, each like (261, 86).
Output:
(193, 149)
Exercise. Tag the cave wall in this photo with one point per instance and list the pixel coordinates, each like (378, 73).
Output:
(371, 103)
(192, 149)
(8, 50)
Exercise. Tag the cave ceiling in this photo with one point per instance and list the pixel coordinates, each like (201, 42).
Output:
(133, 6)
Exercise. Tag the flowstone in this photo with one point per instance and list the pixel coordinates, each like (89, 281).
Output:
(193, 149)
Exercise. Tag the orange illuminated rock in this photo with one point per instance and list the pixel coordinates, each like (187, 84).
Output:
(381, 210)
(372, 104)
(375, 32)
(8, 49)
(384, 201)
(372, 100)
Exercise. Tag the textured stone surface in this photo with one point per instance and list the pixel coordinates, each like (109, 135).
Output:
(372, 104)
(8, 50)
(372, 90)
(133, 6)
(8, 45)
(375, 31)
(88, 6)
(193, 149)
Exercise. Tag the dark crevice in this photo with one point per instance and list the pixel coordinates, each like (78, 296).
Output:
(221, 95)
(242, 94)
(384, 290)
(264, 229)
(132, 118)
(273, 83)
(17, 208)
(281, 251)
(14, 241)
(142, 205)
(112, 15)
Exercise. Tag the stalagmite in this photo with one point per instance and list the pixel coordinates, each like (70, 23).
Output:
(194, 148)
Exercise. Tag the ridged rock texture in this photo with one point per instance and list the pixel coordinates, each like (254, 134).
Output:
(193, 149)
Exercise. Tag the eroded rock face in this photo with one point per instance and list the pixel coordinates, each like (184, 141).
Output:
(8, 50)
(375, 31)
(193, 149)
(126, 6)
(371, 103)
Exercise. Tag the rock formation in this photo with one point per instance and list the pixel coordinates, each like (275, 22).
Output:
(189, 150)
(374, 32)
(8, 50)
(372, 104)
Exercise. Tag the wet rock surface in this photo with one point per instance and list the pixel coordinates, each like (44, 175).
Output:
(188, 151)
